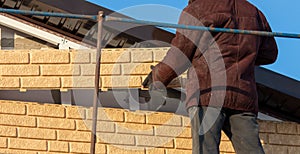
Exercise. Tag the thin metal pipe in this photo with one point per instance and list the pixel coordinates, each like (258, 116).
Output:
(97, 78)
(202, 28)
(48, 14)
(159, 24)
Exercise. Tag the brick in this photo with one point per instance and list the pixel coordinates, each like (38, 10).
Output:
(14, 57)
(80, 57)
(113, 56)
(170, 131)
(85, 148)
(159, 54)
(8, 131)
(176, 151)
(155, 151)
(293, 150)
(27, 144)
(20, 70)
(135, 117)
(12, 108)
(186, 133)
(56, 146)
(78, 82)
(107, 114)
(141, 55)
(267, 127)
(60, 70)
(154, 141)
(46, 110)
(75, 112)
(275, 149)
(226, 146)
(298, 128)
(11, 151)
(127, 128)
(160, 118)
(186, 121)
(106, 69)
(224, 137)
(112, 138)
(67, 124)
(136, 69)
(51, 153)
(9, 82)
(100, 148)
(264, 138)
(66, 135)
(3, 142)
(110, 69)
(121, 81)
(102, 126)
(287, 128)
(183, 143)
(13, 120)
(284, 139)
(36, 133)
(111, 149)
(49, 57)
(40, 82)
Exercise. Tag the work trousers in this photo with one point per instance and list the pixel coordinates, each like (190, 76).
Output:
(240, 127)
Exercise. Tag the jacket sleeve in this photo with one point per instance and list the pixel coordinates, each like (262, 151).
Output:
(180, 55)
(267, 53)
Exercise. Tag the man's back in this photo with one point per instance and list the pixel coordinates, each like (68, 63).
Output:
(238, 53)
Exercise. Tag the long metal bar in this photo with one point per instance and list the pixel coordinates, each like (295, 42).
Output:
(48, 14)
(159, 24)
(97, 78)
(202, 28)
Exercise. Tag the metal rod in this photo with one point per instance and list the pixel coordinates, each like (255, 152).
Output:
(159, 24)
(48, 14)
(202, 28)
(97, 77)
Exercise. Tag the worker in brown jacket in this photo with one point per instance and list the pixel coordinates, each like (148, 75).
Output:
(220, 88)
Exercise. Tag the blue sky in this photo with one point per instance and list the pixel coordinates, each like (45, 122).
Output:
(283, 16)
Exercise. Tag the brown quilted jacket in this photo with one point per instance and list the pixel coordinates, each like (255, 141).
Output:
(220, 65)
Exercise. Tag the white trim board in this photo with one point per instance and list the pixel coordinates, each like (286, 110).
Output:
(61, 42)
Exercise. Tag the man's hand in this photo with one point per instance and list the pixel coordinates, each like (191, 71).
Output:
(148, 81)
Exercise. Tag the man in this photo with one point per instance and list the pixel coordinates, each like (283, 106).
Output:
(220, 90)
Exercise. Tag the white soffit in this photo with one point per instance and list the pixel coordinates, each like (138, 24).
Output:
(61, 42)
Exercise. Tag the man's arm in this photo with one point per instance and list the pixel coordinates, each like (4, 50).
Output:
(267, 53)
(180, 55)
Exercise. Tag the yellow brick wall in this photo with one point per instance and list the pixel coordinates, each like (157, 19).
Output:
(65, 69)
(45, 129)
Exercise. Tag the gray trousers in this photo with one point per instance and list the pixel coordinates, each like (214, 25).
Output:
(240, 127)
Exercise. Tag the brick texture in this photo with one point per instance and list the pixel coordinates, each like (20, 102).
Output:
(40, 82)
(49, 57)
(111, 149)
(163, 119)
(36, 133)
(57, 146)
(57, 129)
(60, 70)
(56, 123)
(46, 110)
(66, 69)
(13, 120)
(9, 82)
(16, 108)
(14, 57)
(20, 70)
(85, 148)
(26, 144)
